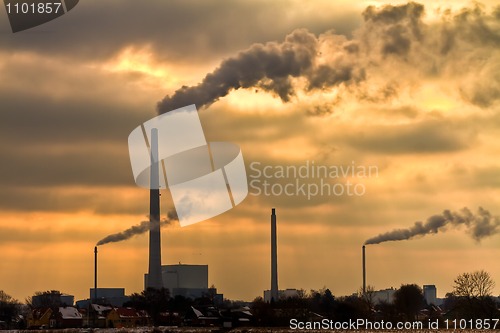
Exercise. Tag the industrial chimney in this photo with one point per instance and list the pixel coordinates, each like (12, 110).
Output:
(274, 259)
(364, 271)
(154, 279)
(95, 273)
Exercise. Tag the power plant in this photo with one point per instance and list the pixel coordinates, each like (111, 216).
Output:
(274, 259)
(154, 279)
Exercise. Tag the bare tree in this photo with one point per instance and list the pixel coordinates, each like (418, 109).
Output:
(473, 285)
(368, 296)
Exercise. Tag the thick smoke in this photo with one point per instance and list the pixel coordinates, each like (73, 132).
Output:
(478, 225)
(141, 228)
(388, 52)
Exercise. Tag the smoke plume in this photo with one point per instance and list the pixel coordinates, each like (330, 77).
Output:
(392, 48)
(141, 228)
(479, 225)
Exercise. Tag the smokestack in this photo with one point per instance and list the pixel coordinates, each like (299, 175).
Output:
(154, 274)
(364, 271)
(274, 259)
(95, 273)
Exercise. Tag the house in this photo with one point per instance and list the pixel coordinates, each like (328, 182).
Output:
(127, 317)
(97, 315)
(195, 317)
(39, 317)
(66, 317)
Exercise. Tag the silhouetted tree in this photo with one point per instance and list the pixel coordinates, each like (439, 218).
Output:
(322, 301)
(293, 307)
(180, 304)
(263, 312)
(368, 297)
(351, 307)
(475, 284)
(9, 308)
(154, 301)
(409, 300)
(49, 298)
(471, 297)
(387, 311)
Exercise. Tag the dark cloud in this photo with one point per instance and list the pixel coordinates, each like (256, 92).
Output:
(396, 27)
(193, 30)
(422, 137)
(30, 235)
(100, 200)
(64, 142)
(89, 166)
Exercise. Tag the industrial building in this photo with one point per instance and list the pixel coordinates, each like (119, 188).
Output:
(190, 281)
(108, 296)
(45, 299)
(282, 294)
(384, 296)
(430, 294)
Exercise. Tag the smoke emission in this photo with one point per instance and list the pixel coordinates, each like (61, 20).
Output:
(136, 230)
(479, 225)
(363, 65)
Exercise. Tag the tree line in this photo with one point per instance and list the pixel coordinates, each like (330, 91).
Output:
(471, 298)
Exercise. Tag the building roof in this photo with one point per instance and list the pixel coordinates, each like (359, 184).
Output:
(70, 312)
(101, 308)
(198, 313)
(127, 313)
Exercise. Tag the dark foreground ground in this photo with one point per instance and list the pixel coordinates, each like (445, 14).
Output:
(234, 330)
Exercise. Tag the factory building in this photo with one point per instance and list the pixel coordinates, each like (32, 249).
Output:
(104, 296)
(384, 296)
(282, 294)
(111, 296)
(190, 281)
(52, 298)
(430, 294)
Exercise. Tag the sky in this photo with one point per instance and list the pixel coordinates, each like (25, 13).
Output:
(406, 94)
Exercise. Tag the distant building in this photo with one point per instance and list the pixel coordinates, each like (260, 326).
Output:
(39, 318)
(430, 294)
(105, 296)
(383, 296)
(66, 317)
(109, 296)
(127, 318)
(282, 294)
(190, 281)
(96, 315)
(52, 299)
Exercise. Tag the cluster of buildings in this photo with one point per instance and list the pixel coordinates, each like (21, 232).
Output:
(93, 316)
(105, 306)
